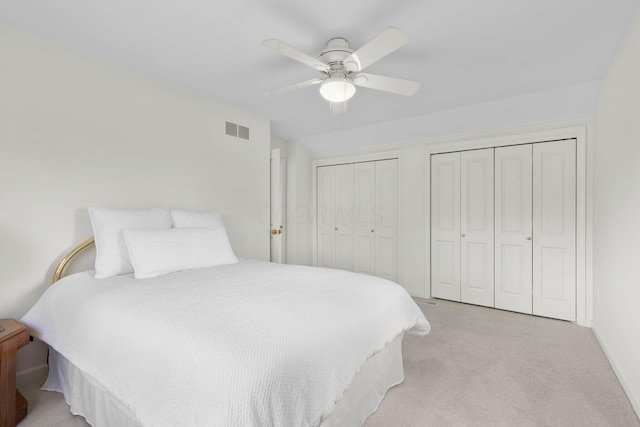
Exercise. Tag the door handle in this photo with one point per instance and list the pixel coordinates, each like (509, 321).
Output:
(528, 237)
(274, 231)
(462, 234)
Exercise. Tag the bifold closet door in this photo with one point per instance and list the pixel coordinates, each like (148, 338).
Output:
(335, 216)
(344, 217)
(554, 229)
(385, 212)
(325, 213)
(375, 212)
(445, 226)
(462, 226)
(364, 211)
(357, 217)
(476, 227)
(513, 228)
(503, 228)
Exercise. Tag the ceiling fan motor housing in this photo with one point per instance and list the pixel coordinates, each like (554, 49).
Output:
(335, 53)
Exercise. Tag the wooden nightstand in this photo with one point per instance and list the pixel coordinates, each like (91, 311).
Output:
(13, 407)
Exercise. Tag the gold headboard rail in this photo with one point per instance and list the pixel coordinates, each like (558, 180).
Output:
(57, 274)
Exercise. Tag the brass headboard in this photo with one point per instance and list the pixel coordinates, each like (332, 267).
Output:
(57, 274)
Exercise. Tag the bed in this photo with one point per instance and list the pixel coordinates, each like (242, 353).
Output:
(244, 343)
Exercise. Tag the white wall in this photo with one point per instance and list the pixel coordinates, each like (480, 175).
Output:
(539, 107)
(279, 143)
(299, 204)
(616, 253)
(76, 132)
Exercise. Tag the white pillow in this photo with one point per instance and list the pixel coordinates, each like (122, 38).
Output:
(182, 218)
(157, 252)
(112, 256)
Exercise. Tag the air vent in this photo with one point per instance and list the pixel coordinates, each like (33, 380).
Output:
(236, 130)
(243, 132)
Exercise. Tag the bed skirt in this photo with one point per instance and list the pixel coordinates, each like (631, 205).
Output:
(100, 408)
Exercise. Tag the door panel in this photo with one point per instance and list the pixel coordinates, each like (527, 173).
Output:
(513, 225)
(344, 217)
(554, 228)
(278, 180)
(386, 255)
(445, 226)
(476, 227)
(276, 207)
(325, 216)
(364, 211)
(513, 281)
(552, 261)
(386, 218)
(445, 264)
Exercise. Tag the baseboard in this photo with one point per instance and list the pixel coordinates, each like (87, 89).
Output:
(419, 294)
(31, 374)
(633, 398)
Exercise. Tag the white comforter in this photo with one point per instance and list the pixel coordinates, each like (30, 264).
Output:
(248, 344)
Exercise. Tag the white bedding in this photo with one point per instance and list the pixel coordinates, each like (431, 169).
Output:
(247, 344)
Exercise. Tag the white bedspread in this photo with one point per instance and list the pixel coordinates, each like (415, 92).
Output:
(248, 344)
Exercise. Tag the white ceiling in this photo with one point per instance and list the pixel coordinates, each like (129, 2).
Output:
(463, 51)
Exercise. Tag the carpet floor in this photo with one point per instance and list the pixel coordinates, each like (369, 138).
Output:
(478, 367)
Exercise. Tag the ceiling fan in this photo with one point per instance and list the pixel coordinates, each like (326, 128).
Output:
(341, 68)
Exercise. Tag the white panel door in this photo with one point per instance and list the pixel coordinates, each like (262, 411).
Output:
(326, 206)
(445, 226)
(513, 226)
(277, 207)
(344, 216)
(386, 218)
(364, 215)
(476, 227)
(554, 229)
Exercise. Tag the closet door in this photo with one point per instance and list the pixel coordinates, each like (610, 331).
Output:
(326, 206)
(476, 227)
(386, 218)
(554, 229)
(335, 216)
(445, 226)
(513, 226)
(344, 218)
(364, 214)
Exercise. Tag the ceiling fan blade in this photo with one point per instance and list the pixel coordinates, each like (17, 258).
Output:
(295, 54)
(290, 88)
(387, 84)
(338, 107)
(377, 48)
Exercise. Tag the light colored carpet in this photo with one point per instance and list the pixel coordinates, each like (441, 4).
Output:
(478, 367)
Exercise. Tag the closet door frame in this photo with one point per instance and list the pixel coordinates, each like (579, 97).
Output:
(371, 156)
(584, 289)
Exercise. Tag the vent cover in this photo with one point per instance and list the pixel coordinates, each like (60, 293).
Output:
(236, 130)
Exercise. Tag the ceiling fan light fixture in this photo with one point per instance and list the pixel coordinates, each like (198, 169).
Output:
(337, 89)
